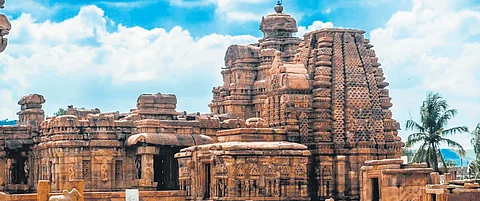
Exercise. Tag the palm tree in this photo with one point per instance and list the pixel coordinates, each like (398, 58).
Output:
(474, 166)
(431, 131)
(475, 141)
(474, 169)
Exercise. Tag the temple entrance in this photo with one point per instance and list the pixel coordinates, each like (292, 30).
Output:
(207, 181)
(166, 169)
(375, 190)
(17, 169)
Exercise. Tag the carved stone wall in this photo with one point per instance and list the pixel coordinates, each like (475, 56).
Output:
(92, 146)
(328, 92)
(391, 180)
(245, 167)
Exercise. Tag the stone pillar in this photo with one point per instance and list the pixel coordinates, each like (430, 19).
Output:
(146, 181)
(43, 190)
(434, 178)
(31, 112)
(340, 175)
(2, 171)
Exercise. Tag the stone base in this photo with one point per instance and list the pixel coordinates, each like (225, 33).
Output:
(17, 188)
(113, 196)
(145, 185)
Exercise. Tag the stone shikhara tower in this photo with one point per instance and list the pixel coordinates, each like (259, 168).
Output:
(327, 91)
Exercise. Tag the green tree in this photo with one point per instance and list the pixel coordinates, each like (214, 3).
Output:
(475, 141)
(408, 153)
(60, 112)
(431, 131)
(450, 163)
(474, 166)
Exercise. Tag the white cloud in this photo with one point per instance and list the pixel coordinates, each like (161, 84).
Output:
(127, 55)
(436, 44)
(7, 105)
(302, 30)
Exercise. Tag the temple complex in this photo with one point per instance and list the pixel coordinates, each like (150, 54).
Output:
(295, 119)
(326, 91)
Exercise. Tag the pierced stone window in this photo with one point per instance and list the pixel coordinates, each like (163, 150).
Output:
(118, 170)
(86, 169)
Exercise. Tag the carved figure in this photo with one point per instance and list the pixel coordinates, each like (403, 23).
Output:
(25, 168)
(71, 173)
(10, 171)
(5, 27)
(222, 188)
(148, 173)
(276, 190)
(104, 172)
(138, 165)
(73, 195)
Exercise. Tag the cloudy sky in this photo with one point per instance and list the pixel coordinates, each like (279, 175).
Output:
(101, 53)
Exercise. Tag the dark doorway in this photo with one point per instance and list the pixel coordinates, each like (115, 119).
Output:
(18, 171)
(207, 181)
(166, 170)
(375, 190)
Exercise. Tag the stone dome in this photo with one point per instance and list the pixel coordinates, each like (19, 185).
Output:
(278, 24)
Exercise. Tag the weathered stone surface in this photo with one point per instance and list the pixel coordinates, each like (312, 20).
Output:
(106, 150)
(327, 91)
(389, 180)
(257, 168)
(3, 196)
(455, 190)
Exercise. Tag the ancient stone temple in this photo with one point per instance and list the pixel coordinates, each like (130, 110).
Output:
(108, 151)
(295, 119)
(327, 91)
(247, 164)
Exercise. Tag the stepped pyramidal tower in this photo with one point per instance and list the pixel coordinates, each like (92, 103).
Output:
(327, 91)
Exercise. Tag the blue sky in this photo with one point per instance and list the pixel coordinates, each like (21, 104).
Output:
(105, 54)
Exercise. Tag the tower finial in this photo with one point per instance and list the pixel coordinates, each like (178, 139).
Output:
(279, 7)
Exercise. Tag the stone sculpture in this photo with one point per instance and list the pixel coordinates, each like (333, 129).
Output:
(104, 172)
(5, 27)
(71, 173)
(73, 195)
